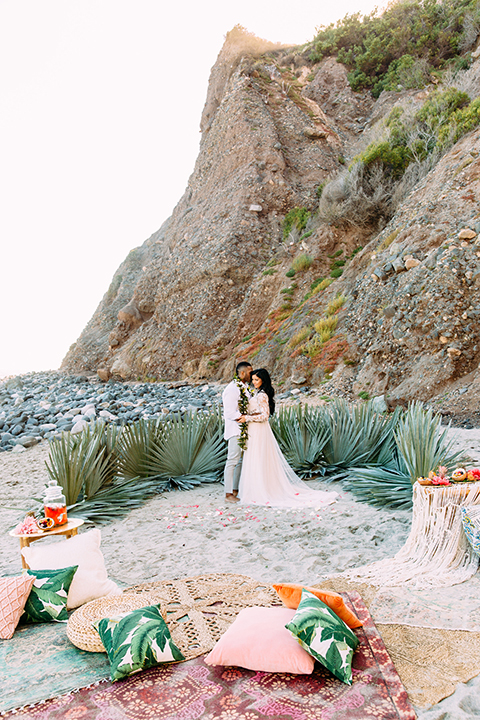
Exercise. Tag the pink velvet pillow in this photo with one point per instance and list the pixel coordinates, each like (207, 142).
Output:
(258, 640)
(13, 596)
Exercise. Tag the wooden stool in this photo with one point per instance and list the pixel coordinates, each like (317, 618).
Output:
(69, 530)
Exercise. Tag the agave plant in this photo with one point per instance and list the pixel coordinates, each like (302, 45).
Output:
(346, 445)
(106, 471)
(136, 446)
(184, 451)
(378, 441)
(360, 436)
(386, 486)
(115, 500)
(78, 463)
(302, 433)
(420, 446)
(105, 438)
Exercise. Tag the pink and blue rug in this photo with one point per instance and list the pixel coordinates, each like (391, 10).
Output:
(194, 691)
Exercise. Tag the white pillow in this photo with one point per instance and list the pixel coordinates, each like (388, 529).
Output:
(90, 581)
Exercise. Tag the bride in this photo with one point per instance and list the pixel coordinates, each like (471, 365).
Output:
(267, 478)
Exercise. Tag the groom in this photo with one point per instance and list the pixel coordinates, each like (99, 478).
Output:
(231, 413)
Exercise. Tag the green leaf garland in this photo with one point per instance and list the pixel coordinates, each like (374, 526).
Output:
(243, 407)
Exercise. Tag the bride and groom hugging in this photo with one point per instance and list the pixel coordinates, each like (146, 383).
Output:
(256, 472)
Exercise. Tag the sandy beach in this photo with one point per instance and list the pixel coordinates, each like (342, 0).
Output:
(180, 534)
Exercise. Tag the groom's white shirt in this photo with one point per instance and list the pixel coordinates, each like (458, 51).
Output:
(231, 413)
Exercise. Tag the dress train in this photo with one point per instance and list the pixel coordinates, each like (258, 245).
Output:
(267, 478)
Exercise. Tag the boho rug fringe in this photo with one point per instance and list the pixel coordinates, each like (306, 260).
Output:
(28, 706)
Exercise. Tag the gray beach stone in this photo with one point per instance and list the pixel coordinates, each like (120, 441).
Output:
(27, 441)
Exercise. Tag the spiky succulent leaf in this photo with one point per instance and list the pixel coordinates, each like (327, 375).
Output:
(382, 486)
(71, 460)
(346, 444)
(117, 499)
(422, 444)
(302, 432)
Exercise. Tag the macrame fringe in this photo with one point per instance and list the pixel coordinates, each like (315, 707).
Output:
(436, 553)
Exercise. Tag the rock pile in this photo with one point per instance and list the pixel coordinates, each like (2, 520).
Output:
(42, 405)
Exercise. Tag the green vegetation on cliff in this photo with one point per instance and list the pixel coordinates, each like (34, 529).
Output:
(443, 119)
(400, 48)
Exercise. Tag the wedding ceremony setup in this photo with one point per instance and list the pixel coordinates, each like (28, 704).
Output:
(321, 644)
(239, 370)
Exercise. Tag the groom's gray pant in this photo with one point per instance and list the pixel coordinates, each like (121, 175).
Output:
(233, 466)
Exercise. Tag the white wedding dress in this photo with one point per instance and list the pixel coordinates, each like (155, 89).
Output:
(267, 478)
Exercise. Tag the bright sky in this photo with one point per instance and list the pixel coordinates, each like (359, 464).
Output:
(100, 104)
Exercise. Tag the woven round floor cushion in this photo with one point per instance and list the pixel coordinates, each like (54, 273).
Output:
(79, 626)
(197, 610)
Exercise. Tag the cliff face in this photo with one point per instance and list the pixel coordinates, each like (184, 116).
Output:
(188, 289)
(210, 287)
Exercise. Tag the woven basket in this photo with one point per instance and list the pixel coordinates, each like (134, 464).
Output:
(197, 610)
(79, 626)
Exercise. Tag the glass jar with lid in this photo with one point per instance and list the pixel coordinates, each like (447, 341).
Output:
(55, 503)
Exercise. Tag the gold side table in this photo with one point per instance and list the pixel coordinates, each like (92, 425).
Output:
(69, 530)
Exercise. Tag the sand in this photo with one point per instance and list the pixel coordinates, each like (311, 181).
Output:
(179, 534)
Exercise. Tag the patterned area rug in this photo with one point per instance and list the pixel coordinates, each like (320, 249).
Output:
(192, 690)
(40, 662)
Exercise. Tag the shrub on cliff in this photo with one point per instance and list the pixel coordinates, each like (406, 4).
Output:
(440, 122)
(295, 219)
(399, 46)
(381, 176)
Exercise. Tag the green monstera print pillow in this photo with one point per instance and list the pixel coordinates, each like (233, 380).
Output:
(136, 641)
(322, 634)
(47, 601)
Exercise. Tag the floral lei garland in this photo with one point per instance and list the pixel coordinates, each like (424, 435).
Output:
(243, 407)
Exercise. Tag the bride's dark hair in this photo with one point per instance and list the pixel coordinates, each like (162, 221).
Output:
(266, 386)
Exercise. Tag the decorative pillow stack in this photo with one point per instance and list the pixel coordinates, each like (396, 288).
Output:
(136, 641)
(90, 581)
(290, 594)
(47, 601)
(13, 596)
(324, 635)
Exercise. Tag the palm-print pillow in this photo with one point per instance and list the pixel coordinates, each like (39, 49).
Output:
(322, 634)
(47, 601)
(136, 641)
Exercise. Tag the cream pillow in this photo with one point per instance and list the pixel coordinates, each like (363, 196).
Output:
(90, 581)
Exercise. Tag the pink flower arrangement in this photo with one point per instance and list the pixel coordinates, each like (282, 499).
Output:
(439, 480)
(27, 527)
(474, 474)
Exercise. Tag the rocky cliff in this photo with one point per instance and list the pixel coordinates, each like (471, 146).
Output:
(247, 267)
